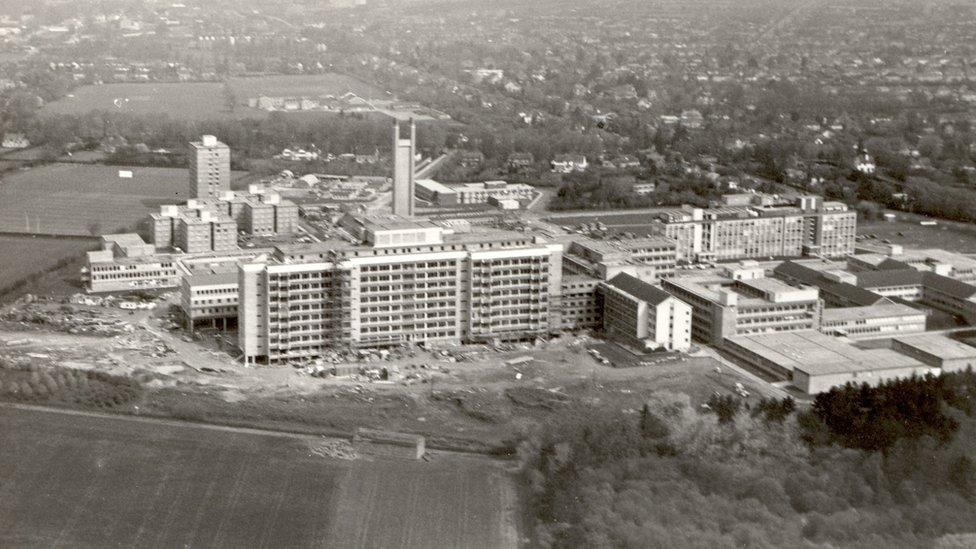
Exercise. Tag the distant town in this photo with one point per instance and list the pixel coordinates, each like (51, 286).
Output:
(431, 274)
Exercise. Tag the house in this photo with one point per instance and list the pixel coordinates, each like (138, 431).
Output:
(520, 161)
(865, 164)
(471, 159)
(568, 163)
(692, 119)
(298, 155)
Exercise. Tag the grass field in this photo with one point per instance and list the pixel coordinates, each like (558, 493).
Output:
(79, 200)
(82, 481)
(203, 100)
(24, 256)
(956, 237)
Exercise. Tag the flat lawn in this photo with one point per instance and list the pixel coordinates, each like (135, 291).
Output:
(82, 200)
(23, 256)
(949, 235)
(312, 85)
(83, 481)
(204, 100)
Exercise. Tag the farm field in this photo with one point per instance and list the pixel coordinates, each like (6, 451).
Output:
(24, 256)
(204, 100)
(93, 481)
(82, 200)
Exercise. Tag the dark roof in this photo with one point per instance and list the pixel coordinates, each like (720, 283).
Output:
(813, 277)
(951, 286)
(893, 265)
(638, 288)
(883, 279)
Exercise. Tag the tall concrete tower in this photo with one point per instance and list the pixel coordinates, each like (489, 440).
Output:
(403, 155)
(209, 162)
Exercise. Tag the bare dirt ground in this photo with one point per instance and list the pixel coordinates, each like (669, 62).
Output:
(474, 397)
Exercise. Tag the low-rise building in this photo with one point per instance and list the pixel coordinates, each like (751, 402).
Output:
(881, 320)
(896, 257)
(838, 288)
(646, 258)
(723, 306)
(644, 316)
(209, 297)
(569, 163)
(815, 362)
(937, 351)
(127, 263)
(471, 193)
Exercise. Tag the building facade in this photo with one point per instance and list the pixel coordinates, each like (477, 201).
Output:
(470, 289)
(808, 227)
(209, 163)
(644, 316)
(723, 307)
(126, 263)
(582, 305)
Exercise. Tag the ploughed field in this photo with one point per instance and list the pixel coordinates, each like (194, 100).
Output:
(92, 481)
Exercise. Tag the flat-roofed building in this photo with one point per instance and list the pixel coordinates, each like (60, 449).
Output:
(893, 256)
(809, 226)
(838, 288)
(815, 362)
(582, 306)
(209, 297)
(950, 295)
(645, 316)
(881, 320)
(194, 228)
(907, 284)
(723, 307)
(938, 351)
(471, 193)
(209, 163)
(651, 257)
(127, 263)
(409, 283)
(268, 214)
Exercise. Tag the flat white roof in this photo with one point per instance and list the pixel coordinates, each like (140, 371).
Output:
(884, 310)
(819, 354)
(939, 346)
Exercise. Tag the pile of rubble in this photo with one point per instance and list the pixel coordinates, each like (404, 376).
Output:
(338, 449)
(65, 319)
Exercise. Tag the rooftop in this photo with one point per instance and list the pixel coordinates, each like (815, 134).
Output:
(883, 279)
(124, 239)
(938, 345)
(639, 289)
(211, 279)
(807, 275)
(882, 310)
(819, 354)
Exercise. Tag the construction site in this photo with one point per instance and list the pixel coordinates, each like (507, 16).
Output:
(469, 397)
